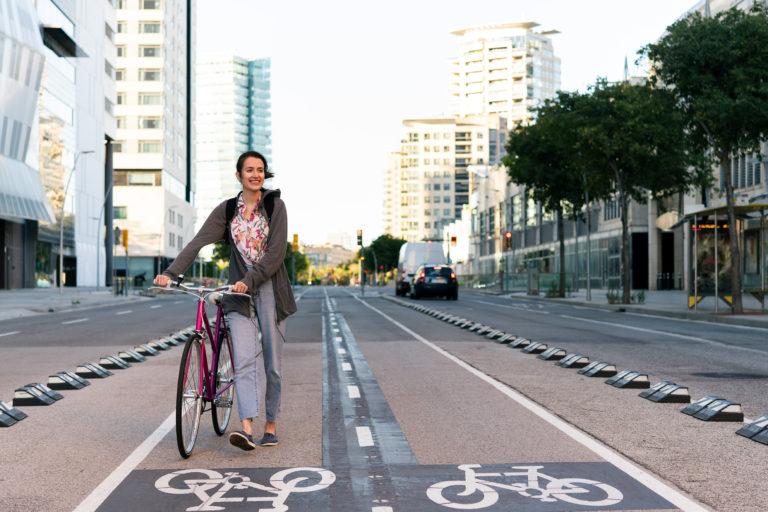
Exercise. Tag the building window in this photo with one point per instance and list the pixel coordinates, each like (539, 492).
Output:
(120, 212)
(120, 50)
(150, 98)
(447, 212)
(180, 242)
(171, 239)
(118, 146)
(149, 75)
(109, 32)
(120, 122)
(446, 199)
(427, 213)
(121, 98)
(436, 186)
(119, 75)
(150, 51)
(121, 4)
(181, 224)
(150, 123)
(150, 146)
(109, 107)
(149, 27)
(122, 27)
(149, 4)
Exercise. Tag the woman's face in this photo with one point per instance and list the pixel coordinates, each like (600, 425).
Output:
(252, 174)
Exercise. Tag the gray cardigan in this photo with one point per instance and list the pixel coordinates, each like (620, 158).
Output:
(270, 266)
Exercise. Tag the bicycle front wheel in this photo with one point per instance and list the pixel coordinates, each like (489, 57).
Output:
(225, 386)
(189, 400)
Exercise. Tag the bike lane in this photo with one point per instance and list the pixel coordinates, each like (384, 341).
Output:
(365, 461)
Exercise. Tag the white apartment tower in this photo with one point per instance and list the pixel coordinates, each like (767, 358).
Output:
(153, 150)
(505, 69)
(432, 178)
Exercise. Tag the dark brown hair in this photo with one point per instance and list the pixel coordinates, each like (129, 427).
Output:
(255, 154)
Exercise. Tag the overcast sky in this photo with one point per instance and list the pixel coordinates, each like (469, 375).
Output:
(345, 73)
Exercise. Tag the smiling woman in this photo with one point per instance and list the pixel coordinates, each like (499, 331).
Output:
(255, 223)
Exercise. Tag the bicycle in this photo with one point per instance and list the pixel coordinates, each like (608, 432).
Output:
(200, 383)
(593, 493)
(211, 487)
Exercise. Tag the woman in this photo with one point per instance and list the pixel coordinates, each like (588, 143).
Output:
(256, 227)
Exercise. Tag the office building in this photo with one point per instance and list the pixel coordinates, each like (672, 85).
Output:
(233, 115)
(55, 115)
(153, 151)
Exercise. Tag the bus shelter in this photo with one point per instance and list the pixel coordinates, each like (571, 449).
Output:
(710, 255)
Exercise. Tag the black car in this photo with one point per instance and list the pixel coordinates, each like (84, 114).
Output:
(435, 280)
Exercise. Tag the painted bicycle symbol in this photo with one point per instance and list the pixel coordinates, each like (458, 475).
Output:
(476, 491)
(211, 487)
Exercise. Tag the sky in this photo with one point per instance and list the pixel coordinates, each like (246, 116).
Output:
(346, 73)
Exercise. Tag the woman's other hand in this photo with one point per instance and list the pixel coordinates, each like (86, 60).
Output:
(161, 280)
(239, 287)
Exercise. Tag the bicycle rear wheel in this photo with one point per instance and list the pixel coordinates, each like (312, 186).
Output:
(225, 378)
(189, 400)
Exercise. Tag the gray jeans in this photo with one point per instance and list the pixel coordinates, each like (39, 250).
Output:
(245, 333)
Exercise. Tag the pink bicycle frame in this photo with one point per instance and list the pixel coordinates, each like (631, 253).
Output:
(207, 376)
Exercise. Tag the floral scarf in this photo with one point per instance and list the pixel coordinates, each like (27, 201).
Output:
(249, 235)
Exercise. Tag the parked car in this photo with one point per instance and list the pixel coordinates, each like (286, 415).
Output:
(412, 256)
(435, 280)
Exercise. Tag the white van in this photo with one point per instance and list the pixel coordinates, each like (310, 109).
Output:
(412, 256)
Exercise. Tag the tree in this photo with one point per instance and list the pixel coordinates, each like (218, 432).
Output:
(301, 261)
(541, 157)
(633, 141)
(387, 249)
(222, 251)
(716, 69)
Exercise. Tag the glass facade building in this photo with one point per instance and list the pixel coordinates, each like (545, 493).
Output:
(233, 116)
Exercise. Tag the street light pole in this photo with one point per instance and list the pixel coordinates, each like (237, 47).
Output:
(98, 235)
(61, 220)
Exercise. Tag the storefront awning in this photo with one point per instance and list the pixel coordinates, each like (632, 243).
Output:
(21, 192)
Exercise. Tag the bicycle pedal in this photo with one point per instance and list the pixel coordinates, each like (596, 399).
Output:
(223, 402)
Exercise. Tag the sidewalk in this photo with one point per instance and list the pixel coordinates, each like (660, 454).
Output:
(33, 301)
(670, 303)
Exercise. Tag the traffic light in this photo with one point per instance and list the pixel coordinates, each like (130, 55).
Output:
(507, 240)
(125, 238)
(360, 237)
(295, 244)
(453, 241)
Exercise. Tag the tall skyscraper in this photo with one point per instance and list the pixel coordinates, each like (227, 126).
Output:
(153, 152)
(504, 69)
(233, 116)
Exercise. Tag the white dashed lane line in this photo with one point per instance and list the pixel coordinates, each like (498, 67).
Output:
(364, 436)
(74, 321)
(9, 333)
(354, 391)
(124, 312)
(155, 306)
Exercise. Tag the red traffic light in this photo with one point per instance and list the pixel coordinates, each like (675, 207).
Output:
(508, 235)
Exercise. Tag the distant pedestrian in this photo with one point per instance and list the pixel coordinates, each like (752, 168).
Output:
(256, 226)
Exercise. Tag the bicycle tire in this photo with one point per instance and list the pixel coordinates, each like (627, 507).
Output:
(225, 375)
(189, 399)
(608, 495)
(487, 497)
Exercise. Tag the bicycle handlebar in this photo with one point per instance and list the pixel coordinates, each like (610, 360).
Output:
(175, 286)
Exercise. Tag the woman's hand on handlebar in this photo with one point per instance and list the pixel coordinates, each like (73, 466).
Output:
(239, 287)
(161, 280)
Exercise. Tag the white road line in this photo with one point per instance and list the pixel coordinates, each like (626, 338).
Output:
(364, 436)
(353, 391)
(346, 367)
(618, 460)
(75, 321)
(732, 326)
(180, 301)
(342, 351)
(666, 333)
(155, 306)
(105, 488)
(337, 338)
(518, 308)
(124, 312)
(9, 333)
(382, 509)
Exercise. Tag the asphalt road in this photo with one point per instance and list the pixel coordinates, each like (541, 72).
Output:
(388, 409)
